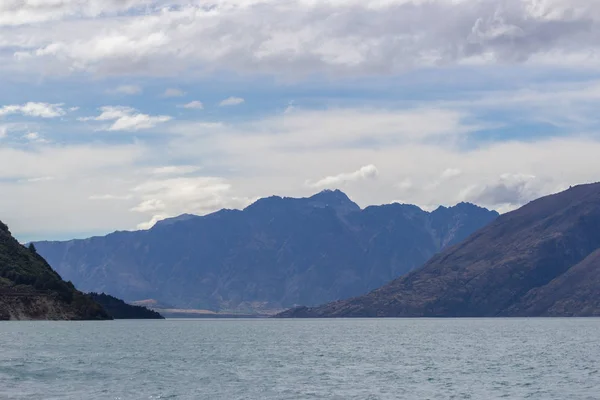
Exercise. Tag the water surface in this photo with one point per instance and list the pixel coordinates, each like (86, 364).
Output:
(302, 359)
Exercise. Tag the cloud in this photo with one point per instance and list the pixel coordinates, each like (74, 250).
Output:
(128, 89)
(34, 137)
(153, 221)
(175, 170)
(507, 192)
(15, 13)
(365, 173)
(110, 197)
(127, 119)
(152, 206)
(311, 130)
(450, 173)
(193, 105)
(171, 92)
(31, 109)
(39, 179)
(3, 131)
(162, 198)
(405, 184)
(231, 101)
(78, 171)
(300, 37)
(65, 161)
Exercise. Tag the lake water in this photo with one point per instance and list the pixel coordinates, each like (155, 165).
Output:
(302, 359)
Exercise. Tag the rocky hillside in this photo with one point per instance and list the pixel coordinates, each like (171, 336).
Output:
(276, 253)
(30, 289)
(541, 260)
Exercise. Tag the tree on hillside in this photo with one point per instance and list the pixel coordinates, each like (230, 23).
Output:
(32, 248)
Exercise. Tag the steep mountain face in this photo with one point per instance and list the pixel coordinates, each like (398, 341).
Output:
(541, 260)
(30, 289)
(276, 253)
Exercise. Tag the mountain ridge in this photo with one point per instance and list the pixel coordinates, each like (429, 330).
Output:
(275, 253)
(525, 263)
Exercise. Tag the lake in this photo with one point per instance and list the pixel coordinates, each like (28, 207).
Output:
(302, 359)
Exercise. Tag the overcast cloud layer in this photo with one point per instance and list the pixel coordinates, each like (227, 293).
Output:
(116, 114)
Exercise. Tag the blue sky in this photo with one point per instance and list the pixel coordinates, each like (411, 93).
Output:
(116, 114)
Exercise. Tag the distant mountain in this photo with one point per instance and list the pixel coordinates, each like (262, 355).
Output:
(541, 260)
(118, 309)
(276, 253)
(30, 289)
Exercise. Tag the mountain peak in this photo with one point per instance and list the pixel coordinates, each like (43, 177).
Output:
(462, 206)
(335, 192)
(335, 199)
(173, 220)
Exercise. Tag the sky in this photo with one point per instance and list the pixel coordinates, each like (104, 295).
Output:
(115, 114)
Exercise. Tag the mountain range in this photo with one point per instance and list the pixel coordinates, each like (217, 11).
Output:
(540, 260)
(274, 254)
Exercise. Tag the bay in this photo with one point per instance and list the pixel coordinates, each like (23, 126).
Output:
(302, 359)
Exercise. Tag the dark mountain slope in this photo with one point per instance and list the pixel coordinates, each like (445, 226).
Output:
(118, 309)
(30, 289)
(538, 260)
(574, 293)
(276, 253)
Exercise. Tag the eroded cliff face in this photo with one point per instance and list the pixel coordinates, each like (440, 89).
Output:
(32, 307)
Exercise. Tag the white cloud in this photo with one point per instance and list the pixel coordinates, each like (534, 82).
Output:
(231, 101)
(39, 179)
(151, 205)
(34, 137)
(77, 172)
(110, 197)
(450, 173)
(127, 119)
(508, 191)
(163, 198)
(153, 221)
(3, 131)
(31, 136)
(175, 170)
(172, 92)
(64, 161)
(194, 105)
(128, 89)
(364, 173)
(17, 12)
(299, 37)
(311, 130)
(32, 109)
(405, 184)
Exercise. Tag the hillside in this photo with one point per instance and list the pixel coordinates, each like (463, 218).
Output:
(118, 309)
(30, 289)
(540, 260)
(276, 253)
